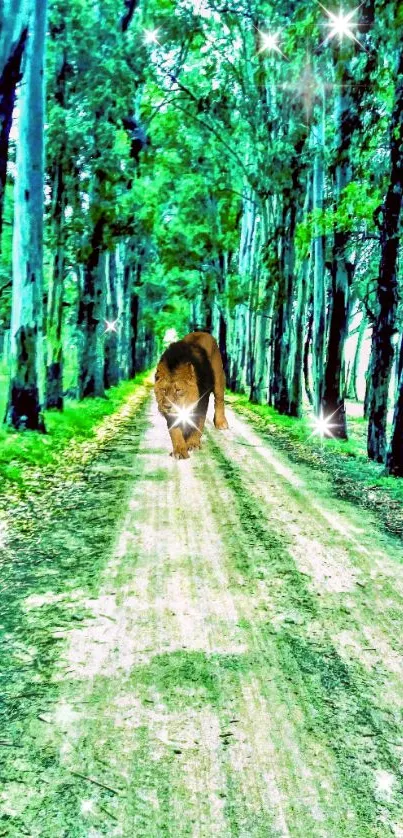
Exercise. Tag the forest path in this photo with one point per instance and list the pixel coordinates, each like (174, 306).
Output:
(238, 671)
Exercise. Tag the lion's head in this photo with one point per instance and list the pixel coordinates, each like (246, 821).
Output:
(175, 388)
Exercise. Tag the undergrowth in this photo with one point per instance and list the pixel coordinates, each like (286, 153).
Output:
(76, 423)
(353, 476)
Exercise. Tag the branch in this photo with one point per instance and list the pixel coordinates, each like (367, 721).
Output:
(370, 314)
(7, 285)
(130, 6)
(216, 134)
(157, 108)
(366, 236)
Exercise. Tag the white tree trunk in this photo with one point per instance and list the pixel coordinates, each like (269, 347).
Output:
(27, 368)
(14, 22)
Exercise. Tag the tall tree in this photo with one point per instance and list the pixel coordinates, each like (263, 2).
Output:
(384, 327)
(395, 454)
(14, 21)
(341, 267)
(59, 167)
(26, 361)
(318, 248)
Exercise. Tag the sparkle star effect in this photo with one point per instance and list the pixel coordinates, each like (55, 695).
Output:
(151, 36)
(269, 41)
(183, 415)
(341, 24)
(322, 424)
(87, 806)
(111, 326)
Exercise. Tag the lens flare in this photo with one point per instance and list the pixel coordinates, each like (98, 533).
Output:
(269, 41)
(111, 326)
(151, 36)
(183, 415)
(322, 424)
(341, 24)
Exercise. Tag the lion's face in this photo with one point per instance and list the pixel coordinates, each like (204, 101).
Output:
(175, 389)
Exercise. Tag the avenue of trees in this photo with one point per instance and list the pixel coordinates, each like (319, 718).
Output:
(233, 165)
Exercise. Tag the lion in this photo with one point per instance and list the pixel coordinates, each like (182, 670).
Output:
(187, 372)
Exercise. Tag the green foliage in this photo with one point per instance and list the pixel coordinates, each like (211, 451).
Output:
(76, 423)
(228, 125)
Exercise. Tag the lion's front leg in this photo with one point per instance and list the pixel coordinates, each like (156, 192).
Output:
(180, 449)
(194, 439)
(220, 420)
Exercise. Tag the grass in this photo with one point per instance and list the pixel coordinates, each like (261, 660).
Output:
(76, 423)
(352, 474)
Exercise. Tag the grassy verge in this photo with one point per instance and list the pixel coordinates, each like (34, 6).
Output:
(20, 452)
(345, 463)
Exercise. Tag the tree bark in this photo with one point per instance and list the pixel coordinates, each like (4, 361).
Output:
(54, 338)
(111, 337)
(384, 328)
(124, 280)
(318, 246)
(395, 453)
(307, 344)
(134, 327)
(24, 409)
(130, 7)
(299, 325)
(342, 269)
(91, 315)
(54, 322)
(352, 392)
(222, 341)
(14, 20)
(283, 314)
(334, 384)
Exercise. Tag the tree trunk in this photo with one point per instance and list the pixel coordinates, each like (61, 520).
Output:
(318, 246)
(207, 302)
(299, 325)
(54, 323)
(111, 339)
(395, 453)
(124, 281)
(249, 245)
(342, 269)
(134, 326)
(91, 316)
(222, 341)
(260, 385)
(382, 348)
(308, 341)
(334, 384)
(295, 408)
(368, 394)
(283, 315)
(352, 392)
(24, 408)
(14, 19)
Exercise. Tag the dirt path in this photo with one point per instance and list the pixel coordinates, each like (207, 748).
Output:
(234, 666)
